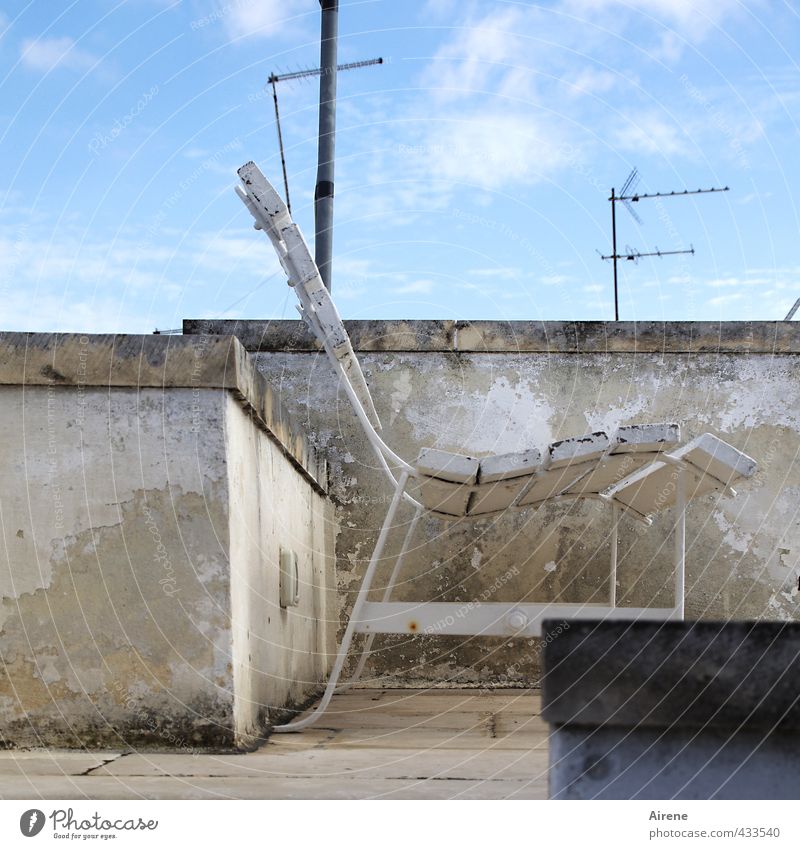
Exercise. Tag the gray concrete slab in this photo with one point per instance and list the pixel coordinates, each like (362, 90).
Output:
(345, 763)
(276, 788)
(536, 738)
(495, 751)
(51, 762)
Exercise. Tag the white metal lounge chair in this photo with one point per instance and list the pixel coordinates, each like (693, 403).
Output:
(639, 470)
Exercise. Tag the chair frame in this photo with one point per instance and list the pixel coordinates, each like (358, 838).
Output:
(451, 618)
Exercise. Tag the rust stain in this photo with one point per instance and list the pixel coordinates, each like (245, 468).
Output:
(412, 626)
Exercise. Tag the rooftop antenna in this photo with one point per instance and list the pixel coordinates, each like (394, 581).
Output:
(792, 311)
(298, 75)
(628, 195)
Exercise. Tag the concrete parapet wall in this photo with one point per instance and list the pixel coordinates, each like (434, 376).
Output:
(491, 387)
(547, 337)
(139, 585)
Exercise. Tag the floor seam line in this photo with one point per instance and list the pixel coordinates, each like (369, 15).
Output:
(104, 763)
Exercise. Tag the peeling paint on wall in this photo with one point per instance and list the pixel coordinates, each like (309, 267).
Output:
(122, 540)
(484, 403)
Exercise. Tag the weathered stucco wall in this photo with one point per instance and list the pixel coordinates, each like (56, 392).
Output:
(145, 485)
(490, 387)
(280, 654)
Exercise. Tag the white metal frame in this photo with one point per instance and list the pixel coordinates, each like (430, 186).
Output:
(387, 617)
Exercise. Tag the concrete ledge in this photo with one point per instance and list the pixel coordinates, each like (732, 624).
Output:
(197, 362)
(569, 337)
(736, 675)
(682, 710)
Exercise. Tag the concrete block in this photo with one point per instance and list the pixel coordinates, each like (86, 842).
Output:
(663, 675)
(686, 710)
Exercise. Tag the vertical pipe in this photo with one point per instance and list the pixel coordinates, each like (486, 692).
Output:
(323, 194)
(615, 525)
(680, 544)
(613, 200)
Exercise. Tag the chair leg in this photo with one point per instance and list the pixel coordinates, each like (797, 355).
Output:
(354, 616)
(680, 545)
(612, 595)
(386, 595)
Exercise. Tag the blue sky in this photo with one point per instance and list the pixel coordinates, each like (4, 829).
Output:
(473, 166)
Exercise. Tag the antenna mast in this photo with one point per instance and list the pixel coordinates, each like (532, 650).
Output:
(299, 75)
(627, 195)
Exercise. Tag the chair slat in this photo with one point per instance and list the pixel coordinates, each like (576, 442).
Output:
(445, 466)
(710, 465)
(633, 447)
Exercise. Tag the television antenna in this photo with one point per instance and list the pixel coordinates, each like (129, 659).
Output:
(628, 196)
(274, 79)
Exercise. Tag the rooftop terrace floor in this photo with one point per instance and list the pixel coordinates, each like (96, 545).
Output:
(372, 744)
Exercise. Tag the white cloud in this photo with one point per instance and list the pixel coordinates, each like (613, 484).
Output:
(498, 273)
(591, 81)
(494, 150)
(513, 50)
(262, 18)
(731, 282)
(49, 312)
(481, 50)
(695, 17)
(45, 54)
(496, 112)
(355, 276)
(70, 280)
(652, 134)
(439, 9)
(675, 24)
(414, 287)
(722, 300)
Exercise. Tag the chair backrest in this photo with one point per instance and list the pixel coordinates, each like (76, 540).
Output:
(316, 307)
(634, 469)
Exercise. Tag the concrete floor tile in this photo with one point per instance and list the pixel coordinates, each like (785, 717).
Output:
(426, 744)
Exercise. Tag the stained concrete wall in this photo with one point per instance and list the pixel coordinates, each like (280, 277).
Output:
(493, 387)
(280, 654)
(146, 484)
